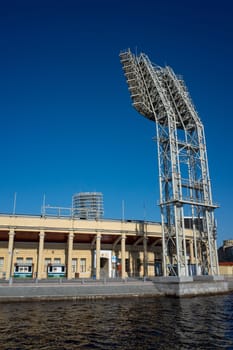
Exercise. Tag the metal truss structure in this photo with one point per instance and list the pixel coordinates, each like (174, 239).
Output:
(185, 189)
(85, 205)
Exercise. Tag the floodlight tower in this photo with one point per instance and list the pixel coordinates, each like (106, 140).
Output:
(185, 189)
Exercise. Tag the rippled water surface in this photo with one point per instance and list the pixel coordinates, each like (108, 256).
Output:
(136, 323)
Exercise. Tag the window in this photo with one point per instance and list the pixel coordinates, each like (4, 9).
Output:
(24, 269)
(1, 263)
(57, 260)
(74, 265)
(19, 260)
(29, 260)
(82, 265)
(46, 262)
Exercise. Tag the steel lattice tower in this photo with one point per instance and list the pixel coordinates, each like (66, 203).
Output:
(185, 189)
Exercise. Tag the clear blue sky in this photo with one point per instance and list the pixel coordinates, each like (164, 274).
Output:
(67, 124)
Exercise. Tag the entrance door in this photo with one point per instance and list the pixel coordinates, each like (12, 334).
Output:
(104, 267)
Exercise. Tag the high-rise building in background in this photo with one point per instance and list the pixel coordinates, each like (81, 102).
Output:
(88, 205)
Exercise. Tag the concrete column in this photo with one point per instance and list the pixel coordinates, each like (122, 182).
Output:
(98, 241)
(10, 254)
(69, 257)
(145, 257)
(40, 255)
(123, 274)
(191, 252)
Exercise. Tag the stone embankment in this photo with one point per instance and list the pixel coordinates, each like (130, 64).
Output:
(14, 291)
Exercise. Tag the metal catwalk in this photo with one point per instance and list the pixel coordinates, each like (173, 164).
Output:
(185, 189)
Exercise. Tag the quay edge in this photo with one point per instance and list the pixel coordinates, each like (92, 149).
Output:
(158, 287)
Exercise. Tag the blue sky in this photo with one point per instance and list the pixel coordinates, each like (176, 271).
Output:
(67, 124)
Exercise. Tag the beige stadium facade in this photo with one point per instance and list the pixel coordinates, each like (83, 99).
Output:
(87, 248)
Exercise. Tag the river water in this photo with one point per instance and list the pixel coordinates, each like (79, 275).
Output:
(134, 323)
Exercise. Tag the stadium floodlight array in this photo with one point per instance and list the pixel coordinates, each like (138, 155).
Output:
(185, 189)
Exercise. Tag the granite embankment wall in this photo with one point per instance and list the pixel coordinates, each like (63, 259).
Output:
(78, 290)
(84, 290)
